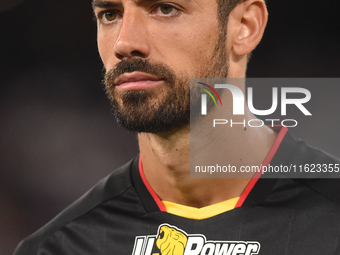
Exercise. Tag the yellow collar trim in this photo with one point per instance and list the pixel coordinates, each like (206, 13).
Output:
(200, 213)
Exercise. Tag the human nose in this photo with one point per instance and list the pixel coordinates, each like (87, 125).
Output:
(133, 37)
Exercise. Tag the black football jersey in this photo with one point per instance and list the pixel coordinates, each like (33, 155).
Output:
(122, 215)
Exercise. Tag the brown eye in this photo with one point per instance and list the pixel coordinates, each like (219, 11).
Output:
(110, 15)
(166, 9)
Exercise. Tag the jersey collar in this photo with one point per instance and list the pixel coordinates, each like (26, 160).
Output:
(254, 193)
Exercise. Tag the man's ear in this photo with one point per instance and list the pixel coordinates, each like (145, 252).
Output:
(246, 26)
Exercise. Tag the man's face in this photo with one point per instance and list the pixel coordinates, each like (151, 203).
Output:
(150, 50)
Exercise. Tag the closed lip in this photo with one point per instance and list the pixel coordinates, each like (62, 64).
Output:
(135, 77)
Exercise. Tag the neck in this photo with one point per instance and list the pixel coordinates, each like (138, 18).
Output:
(166, 164)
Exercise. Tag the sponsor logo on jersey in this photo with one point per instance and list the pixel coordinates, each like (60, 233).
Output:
(171, 240)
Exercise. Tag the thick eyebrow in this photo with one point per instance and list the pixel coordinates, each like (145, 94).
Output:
(104, 4)
(150, 1)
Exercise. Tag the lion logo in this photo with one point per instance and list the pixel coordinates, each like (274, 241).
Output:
(170, 241)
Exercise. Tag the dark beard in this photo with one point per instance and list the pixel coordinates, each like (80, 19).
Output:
(140, 110)
(164, 109)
